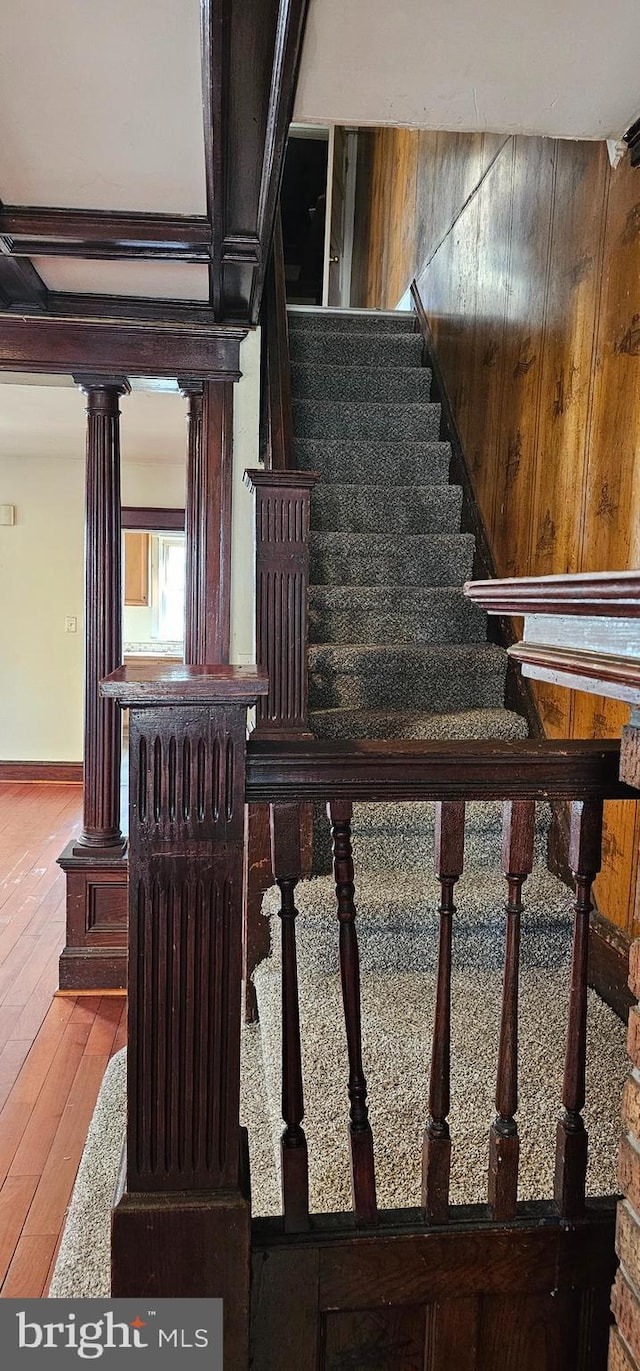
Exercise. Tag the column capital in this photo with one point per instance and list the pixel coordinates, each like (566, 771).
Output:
(190, 385)
(90, 381)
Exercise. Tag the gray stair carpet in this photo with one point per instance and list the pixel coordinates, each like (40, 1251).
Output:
(397, 652)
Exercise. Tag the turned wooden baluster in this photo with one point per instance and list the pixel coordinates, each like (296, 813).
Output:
(361, 1139)
(286, 856)
(585, 856)
(436, 1147)
(518, 827)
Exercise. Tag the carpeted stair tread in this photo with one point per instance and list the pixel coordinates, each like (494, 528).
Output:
(327, 382)
(386, 421)
(406, 509)
(442, 559)
(351, 321)
(411, 676)
(344, 348)
(375, 463)
(498, 723)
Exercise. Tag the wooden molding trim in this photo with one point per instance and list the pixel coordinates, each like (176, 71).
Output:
(611, 594)
(83, 305)
(53, 232)
(152, 519)
(534, 769)
(49, 344)
(623, 672)
(518, 693)
(41, 771)
(632, 139)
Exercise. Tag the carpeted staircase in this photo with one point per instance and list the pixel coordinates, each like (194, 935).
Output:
(398, 652)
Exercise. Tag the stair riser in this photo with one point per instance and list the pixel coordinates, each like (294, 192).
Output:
(370, 464)
(377, 509)
(432, 562)
(489, 723)
(389, 423)
(398, 687)
(432, 627)
(378, 384)
(333, 321)
(358, 350)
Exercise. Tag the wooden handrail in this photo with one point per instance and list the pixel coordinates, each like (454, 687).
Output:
(535, 769)
(277, 419)
(614, 594)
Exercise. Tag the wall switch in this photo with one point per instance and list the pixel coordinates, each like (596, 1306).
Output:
(71, 624)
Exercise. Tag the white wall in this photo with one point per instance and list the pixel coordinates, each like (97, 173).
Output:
(41, 556)
(41, 581)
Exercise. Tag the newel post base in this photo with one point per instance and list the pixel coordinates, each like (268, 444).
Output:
(181, 1221)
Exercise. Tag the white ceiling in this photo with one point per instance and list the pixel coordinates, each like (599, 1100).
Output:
(168, 280)
(566, 68)
(101, 105)
(49, 421)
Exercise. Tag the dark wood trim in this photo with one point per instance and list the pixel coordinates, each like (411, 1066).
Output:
(282, 512)
(364, 771)
(632, 139)
(150, 309)
(48, 344)
(215, 75)
(139, 686)
(598, 666)
(278, 445)
(152, 519)
(518, 693)
(21, 287)
(292, 15)
(41, 771)
(611, 594)
(208, 521)
(52, 232)
(609, 964)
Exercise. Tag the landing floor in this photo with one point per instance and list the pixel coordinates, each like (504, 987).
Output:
(53, 1049)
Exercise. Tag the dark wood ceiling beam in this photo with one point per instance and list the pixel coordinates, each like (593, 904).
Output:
(20, 285)
(128, 348)
(84, 305)
(250, 60)
(29, 231)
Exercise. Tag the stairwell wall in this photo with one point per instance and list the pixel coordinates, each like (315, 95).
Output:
(527, 255)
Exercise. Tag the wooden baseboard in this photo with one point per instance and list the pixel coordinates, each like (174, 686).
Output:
(41, 771)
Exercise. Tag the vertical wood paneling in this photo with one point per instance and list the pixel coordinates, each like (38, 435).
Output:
(527, 253)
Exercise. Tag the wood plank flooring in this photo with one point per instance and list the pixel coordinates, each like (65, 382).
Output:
(53, 1051)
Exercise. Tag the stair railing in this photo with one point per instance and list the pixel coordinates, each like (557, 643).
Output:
(282, 512)
(182, 1218)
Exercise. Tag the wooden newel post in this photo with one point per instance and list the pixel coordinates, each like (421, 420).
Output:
(181, 1222)
(283, 501)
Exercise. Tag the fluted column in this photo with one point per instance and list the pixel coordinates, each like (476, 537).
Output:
(208, 520)
(101, 834)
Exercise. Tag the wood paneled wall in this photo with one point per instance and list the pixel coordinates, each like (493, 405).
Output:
(527, 254)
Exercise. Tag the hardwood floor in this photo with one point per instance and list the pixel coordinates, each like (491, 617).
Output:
(53, 1051)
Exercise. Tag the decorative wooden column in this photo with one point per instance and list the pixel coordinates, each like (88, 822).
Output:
(282, 585)
(208, 520)
(95, 864)
(181, 1223)
(283, 500)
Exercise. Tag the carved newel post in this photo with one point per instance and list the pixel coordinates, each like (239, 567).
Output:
(181, 1223)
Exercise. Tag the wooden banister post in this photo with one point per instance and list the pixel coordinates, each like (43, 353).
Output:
(181, 1219)
(283, 500)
